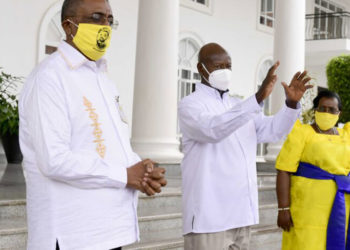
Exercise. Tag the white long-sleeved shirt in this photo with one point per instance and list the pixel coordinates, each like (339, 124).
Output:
(76, 149)
(220, 137)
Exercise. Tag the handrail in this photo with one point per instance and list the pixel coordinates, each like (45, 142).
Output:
(325, 26)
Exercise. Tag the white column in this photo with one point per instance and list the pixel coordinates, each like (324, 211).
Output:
(155, 96)
(289, 49)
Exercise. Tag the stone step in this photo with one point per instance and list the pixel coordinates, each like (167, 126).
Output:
(12, 208)
(153, 228)
(266, 238)
(13, 234)
(266, 167)
(268, 215)
(172, 170)
(172, 244)
(167, 202)
(267, 195)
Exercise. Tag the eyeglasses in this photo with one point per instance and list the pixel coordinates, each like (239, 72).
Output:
(330, 110)
(100, 18)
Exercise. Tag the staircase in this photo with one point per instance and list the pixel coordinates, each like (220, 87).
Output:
(159, 216)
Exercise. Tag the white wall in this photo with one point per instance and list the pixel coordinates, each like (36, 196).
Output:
(234, 26)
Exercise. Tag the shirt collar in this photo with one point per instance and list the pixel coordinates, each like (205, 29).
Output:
(209, 90)
(75, 58)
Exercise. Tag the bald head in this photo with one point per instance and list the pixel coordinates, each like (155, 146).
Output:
(70, 7)
(213, 57)
(209, 51)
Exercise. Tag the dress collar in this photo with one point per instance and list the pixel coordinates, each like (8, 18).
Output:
(75, 58)
(209, 90)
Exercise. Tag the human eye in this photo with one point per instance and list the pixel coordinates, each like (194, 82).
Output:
(97, 17)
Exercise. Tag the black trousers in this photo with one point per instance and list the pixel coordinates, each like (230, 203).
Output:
(58, 247)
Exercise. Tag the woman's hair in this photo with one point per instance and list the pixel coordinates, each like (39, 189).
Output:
(327, 94)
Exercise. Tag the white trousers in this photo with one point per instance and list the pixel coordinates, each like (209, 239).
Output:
(234, 239)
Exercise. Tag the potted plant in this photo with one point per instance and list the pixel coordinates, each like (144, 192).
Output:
(9, 118)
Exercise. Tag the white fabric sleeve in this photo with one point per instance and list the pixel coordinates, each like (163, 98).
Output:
(274, 128)
(50, 129)
(199, 125)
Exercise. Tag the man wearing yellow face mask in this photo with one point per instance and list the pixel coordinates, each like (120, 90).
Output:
(313, 182)
(82, 175)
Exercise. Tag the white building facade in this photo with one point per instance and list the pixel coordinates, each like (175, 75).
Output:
(153, 53)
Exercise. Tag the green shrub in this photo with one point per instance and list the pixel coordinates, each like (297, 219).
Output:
(9, 119)
(338, 74)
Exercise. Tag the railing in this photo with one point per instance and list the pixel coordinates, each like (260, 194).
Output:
(328, 26)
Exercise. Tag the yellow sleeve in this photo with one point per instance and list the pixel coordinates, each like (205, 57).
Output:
(290, 154)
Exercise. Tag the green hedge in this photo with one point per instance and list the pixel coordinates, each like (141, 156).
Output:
(338, 74)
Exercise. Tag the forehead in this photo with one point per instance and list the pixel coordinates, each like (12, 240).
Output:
(328, 102)
(91, 6)
(222, 57)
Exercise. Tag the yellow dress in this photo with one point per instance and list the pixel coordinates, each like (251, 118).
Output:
(312, 200)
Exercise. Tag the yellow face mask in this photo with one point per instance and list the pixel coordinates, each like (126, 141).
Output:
(325, 121)
(92, 39)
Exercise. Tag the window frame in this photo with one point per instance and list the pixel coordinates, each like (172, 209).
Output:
(206, 8)
(264, 27)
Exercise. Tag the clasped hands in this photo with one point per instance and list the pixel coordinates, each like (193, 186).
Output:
(146, 177)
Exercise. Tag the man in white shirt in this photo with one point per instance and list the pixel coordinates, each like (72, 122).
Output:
(220, 135)
(82, 175)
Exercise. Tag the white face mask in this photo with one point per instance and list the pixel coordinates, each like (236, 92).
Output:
(219, 79)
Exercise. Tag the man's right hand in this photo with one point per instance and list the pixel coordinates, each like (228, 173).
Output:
(143, 176)
(268, 84)
(284, 220)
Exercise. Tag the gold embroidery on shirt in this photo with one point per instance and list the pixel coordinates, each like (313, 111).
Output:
(100, 147)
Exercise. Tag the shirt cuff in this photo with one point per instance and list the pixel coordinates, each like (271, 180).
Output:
(291, 111)
(119, 176)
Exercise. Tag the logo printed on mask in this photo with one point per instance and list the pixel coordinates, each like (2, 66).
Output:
(102, 38)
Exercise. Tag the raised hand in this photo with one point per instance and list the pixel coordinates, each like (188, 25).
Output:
(297, 87)
(268, 84)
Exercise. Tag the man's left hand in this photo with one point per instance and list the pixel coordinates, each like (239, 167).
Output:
(296, 89)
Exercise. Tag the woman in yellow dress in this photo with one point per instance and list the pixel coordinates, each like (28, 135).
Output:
(313, 183)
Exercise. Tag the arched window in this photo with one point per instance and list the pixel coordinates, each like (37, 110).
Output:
(51, 31)
(187, 73)
(262, 71)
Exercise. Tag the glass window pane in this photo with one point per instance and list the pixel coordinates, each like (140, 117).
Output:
(263, 2)
(269, 23)
(196, 76)
(262, 20)
(269, 5)
(339, 10)
(324, 4)
(185, 74)
(332, 7)
(317, 1)
(201, 1)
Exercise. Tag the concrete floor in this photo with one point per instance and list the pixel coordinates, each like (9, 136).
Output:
(12, 184)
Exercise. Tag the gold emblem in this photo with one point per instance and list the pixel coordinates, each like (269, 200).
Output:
(97, 132)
